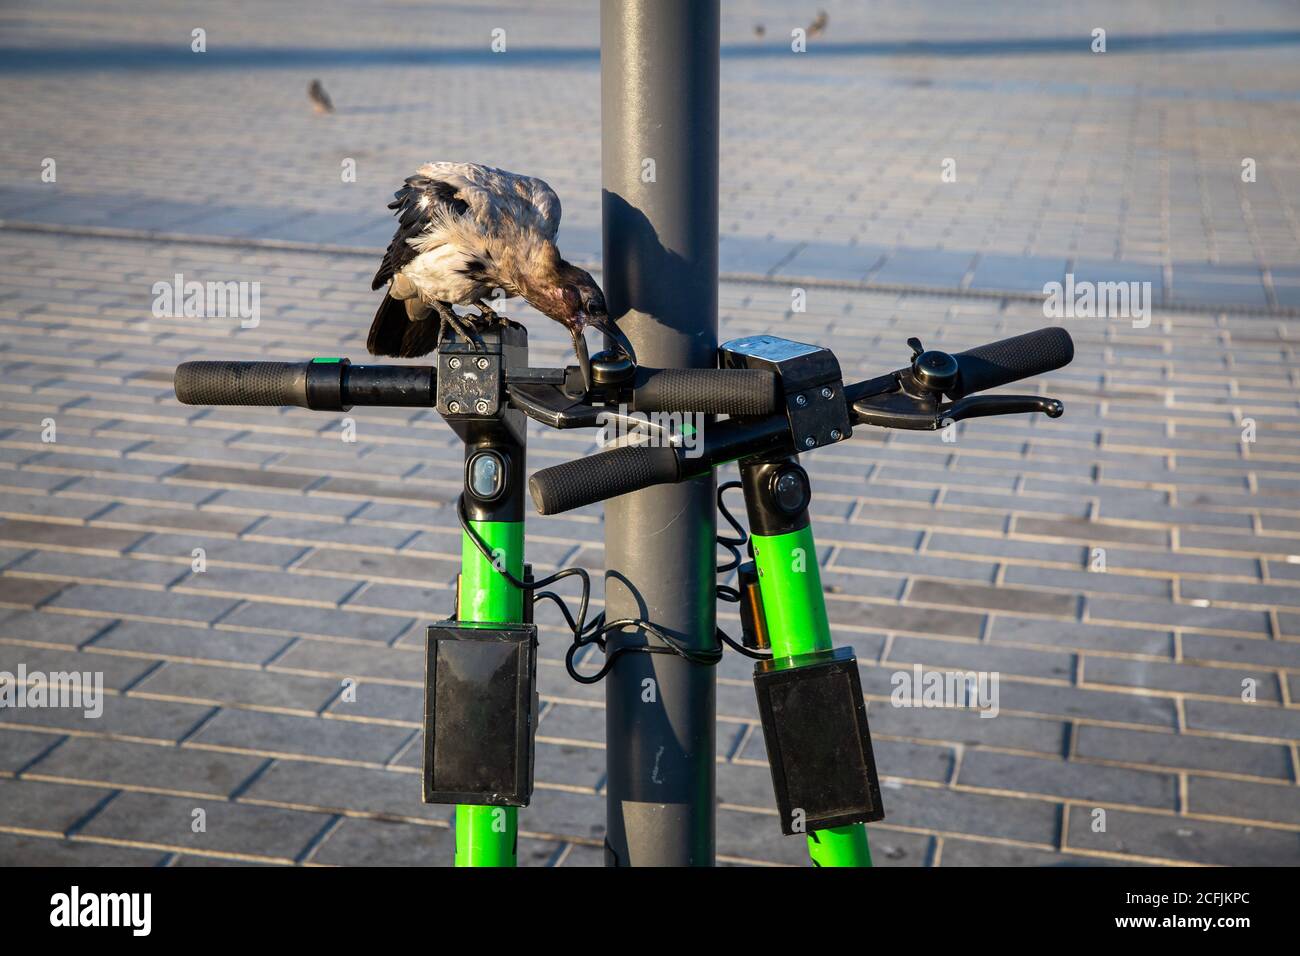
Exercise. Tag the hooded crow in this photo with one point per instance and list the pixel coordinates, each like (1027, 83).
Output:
(463, 231)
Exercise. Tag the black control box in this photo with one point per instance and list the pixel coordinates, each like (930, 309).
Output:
(480, 713)
(818, 744)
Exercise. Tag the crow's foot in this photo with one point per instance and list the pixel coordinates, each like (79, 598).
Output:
(486, 315)
(461, 325)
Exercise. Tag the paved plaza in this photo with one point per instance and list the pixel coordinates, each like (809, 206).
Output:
(1161, 687)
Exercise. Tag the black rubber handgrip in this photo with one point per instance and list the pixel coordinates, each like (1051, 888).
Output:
(1021, 356)
(606, 475)
(710, 391)
(242, 383)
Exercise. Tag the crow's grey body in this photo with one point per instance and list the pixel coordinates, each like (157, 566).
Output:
(464, 230)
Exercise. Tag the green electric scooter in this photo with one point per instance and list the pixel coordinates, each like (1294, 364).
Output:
(780, 398)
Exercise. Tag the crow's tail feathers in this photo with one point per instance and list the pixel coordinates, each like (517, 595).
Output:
(393, 334)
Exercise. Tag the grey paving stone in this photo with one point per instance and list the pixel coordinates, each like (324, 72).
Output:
(935, 567)
(1250, 801)
(64, 536)
(894, 758)
(380, 567)
(112, 673)
(223, 477)
(324, 658)
(948, 811)
(1182, 751)
(1111, 582)
(386, 843)
(237, 552)
(124, 717)
(27, 593)
(21, 850)
(231, 828)
(48, 808)
(1250, 720)
(97, 569)
(1093, 532)
(1182, 677)
(968, 727)
(1181, 839)
(1231, 592)
(173, 642)
(433, 603)
(943, 542)
(378, 701)
(981, 657)
(334, 788)
(825, 260)
(211, 684)
(563, 813)
(888, 617)
(1079, 636)
(997, 598)
(135, 518)
(581, 854)
(1177, 615)
(294, 620)
(116, 763)
(44, 627)
(1067, 779)
(957, 852)
(18, 748)
(276, 734)
(748, 836)
(280, 587)
(141, 605)
(923, 267)
(1085, 703)
(570, 722)
(1017, 273)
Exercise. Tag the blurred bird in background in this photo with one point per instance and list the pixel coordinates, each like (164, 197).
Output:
(320, 100)
(463, 231)
(818, 26)
(759, 30)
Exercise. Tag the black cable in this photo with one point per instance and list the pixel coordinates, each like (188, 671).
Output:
(731, 544)
(585, 634)
(725, 591)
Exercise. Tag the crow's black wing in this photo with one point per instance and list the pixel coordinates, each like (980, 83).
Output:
(416, 204)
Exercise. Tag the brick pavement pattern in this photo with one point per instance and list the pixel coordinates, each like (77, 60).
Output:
(1121, 690)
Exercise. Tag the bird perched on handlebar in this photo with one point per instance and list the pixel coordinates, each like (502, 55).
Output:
(463, 231)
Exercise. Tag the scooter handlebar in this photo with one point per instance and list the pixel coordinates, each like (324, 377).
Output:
(608, 474)
(1021, 356)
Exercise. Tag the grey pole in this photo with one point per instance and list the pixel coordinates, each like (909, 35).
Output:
(659, 168)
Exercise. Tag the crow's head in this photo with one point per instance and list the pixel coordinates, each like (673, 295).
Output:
(569, 295)
(561, 291)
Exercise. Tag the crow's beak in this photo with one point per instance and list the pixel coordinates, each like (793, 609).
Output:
(603, 323)
(600, 323)
(584, 360)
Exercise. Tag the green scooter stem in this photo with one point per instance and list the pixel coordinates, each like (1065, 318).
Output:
(487, 836)
(794, 608)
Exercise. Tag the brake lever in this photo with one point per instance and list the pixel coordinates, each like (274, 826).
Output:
(921, 412)
(981, 406)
